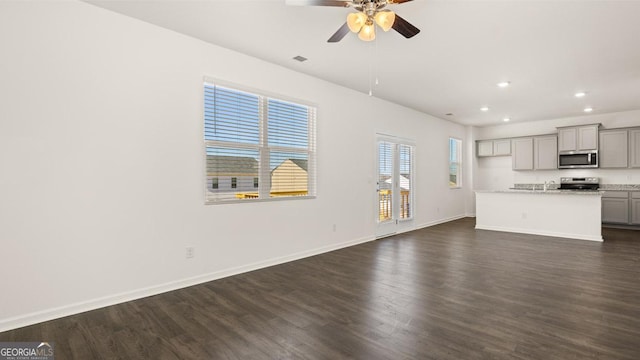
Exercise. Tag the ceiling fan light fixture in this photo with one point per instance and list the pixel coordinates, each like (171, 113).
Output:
(356, 21)
(385, 19)
(368, 32)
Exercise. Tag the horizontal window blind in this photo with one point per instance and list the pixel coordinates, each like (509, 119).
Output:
(231, 116)
(257, 147)
(406, 196)
(288, 124)
(455, 159)
(385, 180)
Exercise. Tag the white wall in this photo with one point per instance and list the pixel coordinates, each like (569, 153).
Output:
(495, 172)
(101, 163)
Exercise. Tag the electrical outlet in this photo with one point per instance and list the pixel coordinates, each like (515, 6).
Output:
(189, 252)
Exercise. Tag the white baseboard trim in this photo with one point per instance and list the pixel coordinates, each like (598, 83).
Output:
(439, 221)
(543, 233)
(84, 306)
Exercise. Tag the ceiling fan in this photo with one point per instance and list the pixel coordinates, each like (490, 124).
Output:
(369, 13)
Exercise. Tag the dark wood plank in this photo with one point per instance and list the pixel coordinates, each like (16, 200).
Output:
(445, 292)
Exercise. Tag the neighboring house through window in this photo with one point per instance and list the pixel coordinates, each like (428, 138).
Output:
(455, 162)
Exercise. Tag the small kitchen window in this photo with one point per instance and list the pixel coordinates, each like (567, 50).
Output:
(455, 163)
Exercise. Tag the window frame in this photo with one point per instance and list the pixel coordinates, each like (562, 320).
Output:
(458, 163)
(264, 150)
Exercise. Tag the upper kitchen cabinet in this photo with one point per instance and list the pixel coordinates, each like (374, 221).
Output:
(577, 138)
(500, 147)
(634, 148)
(545, 152)
(485, 148)
(522, 155)
(614, 148)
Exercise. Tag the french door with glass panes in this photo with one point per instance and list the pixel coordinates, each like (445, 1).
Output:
(394, 188)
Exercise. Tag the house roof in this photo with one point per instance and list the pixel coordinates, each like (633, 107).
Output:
(228, 165)
(301, 163)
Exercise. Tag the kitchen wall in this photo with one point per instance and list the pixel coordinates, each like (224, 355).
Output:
(496, 173)
(101, 164)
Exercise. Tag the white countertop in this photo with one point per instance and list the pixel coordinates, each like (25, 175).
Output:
(542, 192)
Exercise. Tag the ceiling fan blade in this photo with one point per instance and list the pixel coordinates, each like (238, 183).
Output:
(344, 30)
(398, 1)
(404, 27)
(319, 3)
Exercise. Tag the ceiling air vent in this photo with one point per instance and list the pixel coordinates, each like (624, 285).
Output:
(300, 58)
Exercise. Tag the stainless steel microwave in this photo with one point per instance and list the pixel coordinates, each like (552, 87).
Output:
(578, 159)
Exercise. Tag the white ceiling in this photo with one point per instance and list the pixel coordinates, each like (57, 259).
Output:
(548, 50)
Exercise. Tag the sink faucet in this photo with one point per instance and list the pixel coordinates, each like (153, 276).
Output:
(547, 184)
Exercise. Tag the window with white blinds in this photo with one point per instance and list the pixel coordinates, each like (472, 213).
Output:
(385, 180)
(405, 179)
(395, 166)
(257, 147)
(455, 163)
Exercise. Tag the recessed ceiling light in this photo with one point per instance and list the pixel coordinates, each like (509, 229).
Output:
(503, 84)
(506, 119)
(580, 94)
(588, 109)
(484, 108)
(300, 58)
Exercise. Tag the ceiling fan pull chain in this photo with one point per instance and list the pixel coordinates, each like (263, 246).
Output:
(375, 59)
(370, 71)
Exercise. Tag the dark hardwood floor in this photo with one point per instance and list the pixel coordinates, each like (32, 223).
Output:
(445, 292)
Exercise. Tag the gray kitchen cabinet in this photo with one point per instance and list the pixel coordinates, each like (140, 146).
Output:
(578, 138)
(522, 154)
(615, 207)
(634, 148)
(635, 208)
(546, 152)
(500, 147)
(588, 137)
(485, 148)
(567, 139)
(614, 148)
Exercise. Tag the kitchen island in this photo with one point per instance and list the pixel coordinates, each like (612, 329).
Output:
(559, 213)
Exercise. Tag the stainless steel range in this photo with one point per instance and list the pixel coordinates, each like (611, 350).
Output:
(584, 183)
